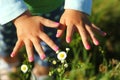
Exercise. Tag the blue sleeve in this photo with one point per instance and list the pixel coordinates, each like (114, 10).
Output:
(80, 5)
(11, 9)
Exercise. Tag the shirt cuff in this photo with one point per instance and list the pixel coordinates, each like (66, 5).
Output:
(11, 9)
(80, 5)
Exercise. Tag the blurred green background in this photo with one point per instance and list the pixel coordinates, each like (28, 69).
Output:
(106, 15)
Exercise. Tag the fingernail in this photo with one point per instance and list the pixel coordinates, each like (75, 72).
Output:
(56, 48)
(42, 56)
(87, 47)
(105, 33)
(31, 59)
(12, 54)
(96, 42)
(57, 35)
(57, 23)
(68, 40)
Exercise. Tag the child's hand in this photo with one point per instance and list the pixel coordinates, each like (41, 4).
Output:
(30, 33)
(75, 20)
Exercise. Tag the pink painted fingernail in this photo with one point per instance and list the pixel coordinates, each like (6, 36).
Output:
(12, 54)
(68, 40)
(96, 42)
(87, 47)
(42, 56)
(31, 59)
(57, 35)
(105, 33)
(56, 48)
(57, 23)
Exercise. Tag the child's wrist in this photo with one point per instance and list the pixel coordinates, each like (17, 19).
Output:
(22, 17)
(75, 11)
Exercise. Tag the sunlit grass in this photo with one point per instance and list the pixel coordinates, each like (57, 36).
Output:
(76, 63)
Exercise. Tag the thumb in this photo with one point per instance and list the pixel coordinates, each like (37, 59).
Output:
(49, 23)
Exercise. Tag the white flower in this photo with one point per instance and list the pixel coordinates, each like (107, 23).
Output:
(54, 62)
(65, 65)
(24, 68)
(62, 55)
(67, 49)
(57, 51)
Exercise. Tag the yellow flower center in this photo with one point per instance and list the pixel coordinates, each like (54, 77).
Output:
(62, 55)
(24, 68)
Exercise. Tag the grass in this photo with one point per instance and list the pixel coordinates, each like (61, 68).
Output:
(82, 64)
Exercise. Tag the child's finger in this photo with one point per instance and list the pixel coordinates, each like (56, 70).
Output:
(69, 33)
(29, 49)
(38, 48)
(61, 29)
(84, 35)
(48, 41)
(92, 35)
(48, 23)
(98, 30)
(18, 45)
